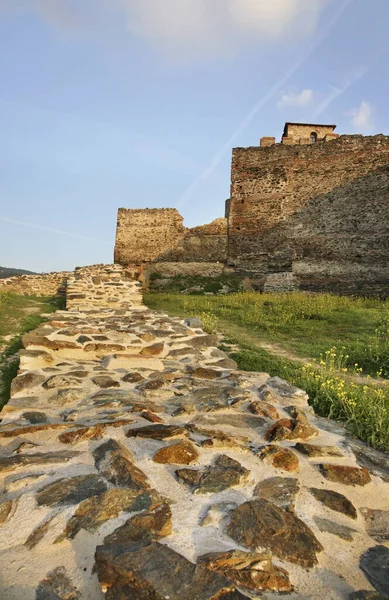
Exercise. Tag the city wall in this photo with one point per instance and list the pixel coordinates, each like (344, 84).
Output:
(302, 216)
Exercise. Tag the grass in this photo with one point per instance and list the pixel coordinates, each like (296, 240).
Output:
(198, 284)
(307, 325)
(341, 338)
(18, 314)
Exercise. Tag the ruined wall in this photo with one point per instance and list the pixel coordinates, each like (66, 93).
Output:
(319, 212)
(207, 243)
(143, 234)
(158, 237)
(49, 284)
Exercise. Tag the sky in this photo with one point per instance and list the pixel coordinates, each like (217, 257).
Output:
(138, 103)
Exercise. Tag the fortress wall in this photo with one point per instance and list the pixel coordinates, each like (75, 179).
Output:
(49, 284)
(143, 234)
(319, 211)
(207, 243)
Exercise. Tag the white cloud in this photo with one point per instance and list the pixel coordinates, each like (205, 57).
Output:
(182, 28)
(203, 26)
(362, 117)
(296, 99)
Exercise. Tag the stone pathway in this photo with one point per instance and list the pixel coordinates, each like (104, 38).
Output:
(137, 462)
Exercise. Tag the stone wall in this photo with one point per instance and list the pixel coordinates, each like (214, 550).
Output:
(207, 243)
(319, 211)
(137, 462)
(157, 239)
(143, 234)
(49, 284)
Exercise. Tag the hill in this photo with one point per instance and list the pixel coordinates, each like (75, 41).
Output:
(9, 272)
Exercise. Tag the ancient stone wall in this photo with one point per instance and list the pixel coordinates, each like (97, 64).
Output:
(143, 234)
(207, 243)
(49, 284)
(137, 462)
(159, 238)
(319, 211)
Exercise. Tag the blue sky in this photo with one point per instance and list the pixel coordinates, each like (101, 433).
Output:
(138, 103)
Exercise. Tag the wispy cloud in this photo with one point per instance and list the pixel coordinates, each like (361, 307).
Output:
(52, 230)
(337, 91)
(207, 26)
(296, 99)
(278, 85)
(184, 29)
(362, 117)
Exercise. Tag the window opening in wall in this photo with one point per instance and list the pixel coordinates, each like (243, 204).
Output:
(313, 137)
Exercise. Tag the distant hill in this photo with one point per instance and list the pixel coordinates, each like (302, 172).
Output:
(7, 272)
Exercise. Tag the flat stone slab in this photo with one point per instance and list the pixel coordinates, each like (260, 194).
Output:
(146, 572)
(281, 491)
(251, 572)
(335, 501)
(222, 474)
(71, 491)
(342, 531)
(182, 453)
(375, 564)
(115, 462)
(260, 524)
(377, 523)
(346, 475)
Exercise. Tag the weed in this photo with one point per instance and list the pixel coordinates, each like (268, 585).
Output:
(346, 337)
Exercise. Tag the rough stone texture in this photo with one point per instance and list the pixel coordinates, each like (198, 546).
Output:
(57, 585)
(207, 243)
(342, 531)
(301, 215)
(260, 524)
(49, 284)
(250, 571)
(377, 523)
(144, 234)
(335, 501)
(306, 215)
(146, 572)
(346, 475)
(282, 491)
(280, 458)
(224, 473)
(158, 235)
(182, 453)
(375, 564)
(151, 528)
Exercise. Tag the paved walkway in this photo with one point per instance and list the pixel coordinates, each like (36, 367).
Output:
(138, 463)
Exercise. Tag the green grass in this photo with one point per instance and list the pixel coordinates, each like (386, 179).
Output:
(179, 283)
(332, 332)
(19, 314)
(305, 324)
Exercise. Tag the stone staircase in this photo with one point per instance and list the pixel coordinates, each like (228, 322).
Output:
(137, 462)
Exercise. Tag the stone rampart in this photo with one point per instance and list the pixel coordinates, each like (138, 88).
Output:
(137, 462)
(207, 244)
(48, 284)
(144, 234)
(319, 211)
